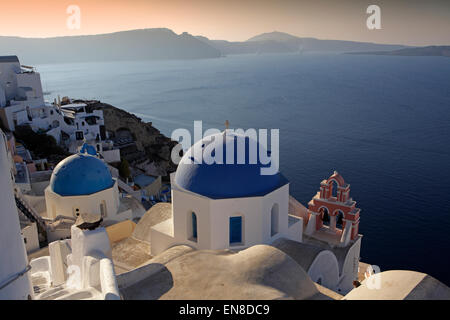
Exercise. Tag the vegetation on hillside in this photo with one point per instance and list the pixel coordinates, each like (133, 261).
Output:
(40, 145)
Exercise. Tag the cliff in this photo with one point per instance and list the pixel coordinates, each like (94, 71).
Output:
(150, 151)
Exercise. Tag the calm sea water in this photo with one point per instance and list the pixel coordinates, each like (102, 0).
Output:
(382, 122)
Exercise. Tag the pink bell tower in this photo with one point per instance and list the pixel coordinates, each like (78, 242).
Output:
(332, 212)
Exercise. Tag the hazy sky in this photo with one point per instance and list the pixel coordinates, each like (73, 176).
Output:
(413, 22)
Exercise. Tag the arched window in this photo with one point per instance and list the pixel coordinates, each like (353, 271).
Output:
(192, 226)
(339, 219)
(103, 209)
(333, 189)
(325, 216)
(274, 220)
(235, 230)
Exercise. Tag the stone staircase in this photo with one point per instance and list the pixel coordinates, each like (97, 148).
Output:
(28, 211)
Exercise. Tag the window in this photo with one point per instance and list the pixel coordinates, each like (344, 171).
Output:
(325, 216)
(79, 135)
(274, 218)
(339, 219)
(103, 209)
(192, 226)
(333, 189)
(235, 230)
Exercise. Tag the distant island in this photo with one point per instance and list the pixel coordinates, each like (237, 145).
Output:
(437, 51)
(146, 44)
(164, 44)
(281, 42)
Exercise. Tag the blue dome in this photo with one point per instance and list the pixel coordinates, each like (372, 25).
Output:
(87, 148)
(222, 180)
(79, 175)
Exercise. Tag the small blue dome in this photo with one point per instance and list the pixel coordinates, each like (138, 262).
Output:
(79, 175)
(222, 180)
(87, 148)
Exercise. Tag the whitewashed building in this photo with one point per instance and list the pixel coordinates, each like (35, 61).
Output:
(14, 278)
(233, 206)
(83, 183)
(22, 103)
(218, 206)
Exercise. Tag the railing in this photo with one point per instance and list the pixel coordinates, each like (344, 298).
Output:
(15, 277)
(28, 211)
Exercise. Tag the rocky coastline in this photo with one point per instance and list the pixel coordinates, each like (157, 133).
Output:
(149, 150)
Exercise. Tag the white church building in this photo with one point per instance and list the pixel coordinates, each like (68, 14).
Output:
(83, 183)
(219, 206)
(233, 206)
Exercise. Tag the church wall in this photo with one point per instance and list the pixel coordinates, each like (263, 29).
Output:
(221, 211)
(213, 219)
(325, 270)
(59, 205)
(184, 204)
(280, 197)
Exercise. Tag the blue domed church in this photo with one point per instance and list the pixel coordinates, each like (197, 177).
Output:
(228, 204)
(82, 183)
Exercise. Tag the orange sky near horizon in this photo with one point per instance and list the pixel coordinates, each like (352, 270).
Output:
(410, 22)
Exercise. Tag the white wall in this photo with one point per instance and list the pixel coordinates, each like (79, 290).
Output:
(8, 73)
(12, 249)
(251, 210)
(111, 156)
(280, 197)
(38, 188)
(183, 204)
(59, 205)
(326, 269)
(349, 272)
(213, 219)
(31, 237)
(32, 80)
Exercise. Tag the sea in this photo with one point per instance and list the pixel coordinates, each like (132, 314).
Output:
(383, 122)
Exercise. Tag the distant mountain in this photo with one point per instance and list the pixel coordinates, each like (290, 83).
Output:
(443, 51)
(274, 36)
(248, 47)
(280, 42)
(151, 44)
(127, 45)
